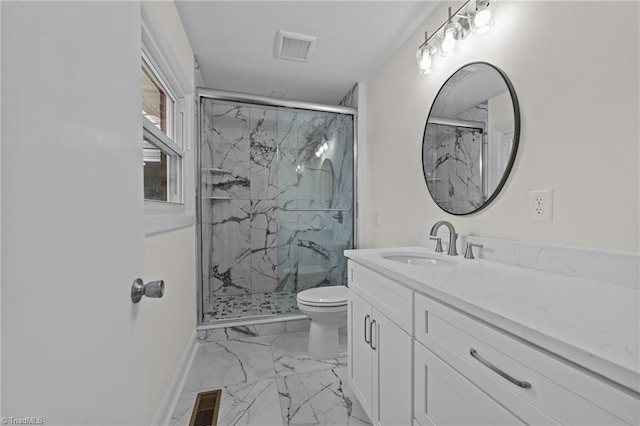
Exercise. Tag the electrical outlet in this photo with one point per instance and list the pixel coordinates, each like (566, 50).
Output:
(541, 205)
(376, 218)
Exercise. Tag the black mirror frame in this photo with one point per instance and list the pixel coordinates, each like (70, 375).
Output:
(516, 138)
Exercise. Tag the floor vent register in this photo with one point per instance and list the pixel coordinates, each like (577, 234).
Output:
(206, 408)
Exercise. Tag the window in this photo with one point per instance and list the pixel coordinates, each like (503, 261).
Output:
(161, 144)
(168, 124)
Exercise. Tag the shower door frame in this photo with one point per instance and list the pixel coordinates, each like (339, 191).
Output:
(258, 100)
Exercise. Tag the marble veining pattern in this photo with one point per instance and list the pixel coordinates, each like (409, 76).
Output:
(254, 403)
(617, 268)
(319, 398)
(351, 98)
(453, 159)
(259, 168)
(290, 355)
(231, 361)
(254, 393)
(590, 323)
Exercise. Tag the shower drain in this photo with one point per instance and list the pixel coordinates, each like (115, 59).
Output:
(206, 408)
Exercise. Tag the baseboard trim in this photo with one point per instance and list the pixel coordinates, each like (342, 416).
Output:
(168, 404)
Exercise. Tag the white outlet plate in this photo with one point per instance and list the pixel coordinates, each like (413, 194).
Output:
(376, 218)
(541, 205)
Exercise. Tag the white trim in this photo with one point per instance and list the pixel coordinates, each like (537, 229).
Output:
(171, 396)
(361, 183)
(154, 134)
(160, 53)
(162, 60)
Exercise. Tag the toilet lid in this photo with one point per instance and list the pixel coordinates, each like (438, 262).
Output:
(332, 295)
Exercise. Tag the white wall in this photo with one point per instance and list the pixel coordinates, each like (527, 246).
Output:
(578, 94)
(172, 319)
(171, 256)
(361, 163)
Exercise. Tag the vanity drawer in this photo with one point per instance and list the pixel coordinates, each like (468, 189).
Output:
(562, 391)
(440, 392)
(388, 297)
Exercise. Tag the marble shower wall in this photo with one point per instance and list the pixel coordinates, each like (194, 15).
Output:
(311, 239)
(454, 157)
(258, 167)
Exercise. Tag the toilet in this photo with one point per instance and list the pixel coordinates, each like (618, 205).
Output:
(327, 309)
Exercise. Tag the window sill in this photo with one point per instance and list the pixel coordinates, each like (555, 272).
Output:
(155, 224)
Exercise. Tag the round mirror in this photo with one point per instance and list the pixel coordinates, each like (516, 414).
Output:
(471, 138)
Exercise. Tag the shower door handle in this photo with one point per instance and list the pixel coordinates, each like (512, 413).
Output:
(366, 318)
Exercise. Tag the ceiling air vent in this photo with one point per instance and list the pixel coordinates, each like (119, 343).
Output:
(293, 46)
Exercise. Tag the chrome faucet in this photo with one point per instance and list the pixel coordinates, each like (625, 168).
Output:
(452, 235)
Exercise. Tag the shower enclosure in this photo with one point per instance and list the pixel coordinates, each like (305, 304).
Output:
(275, 202)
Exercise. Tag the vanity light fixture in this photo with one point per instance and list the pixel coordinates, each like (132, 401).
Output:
(481, 16)
(424, 56)
(474, 16)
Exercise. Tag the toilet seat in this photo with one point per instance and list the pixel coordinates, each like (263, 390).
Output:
(324, 296)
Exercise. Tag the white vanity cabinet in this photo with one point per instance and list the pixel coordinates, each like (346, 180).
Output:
(533, 386)
(380, 368)
(415, 360)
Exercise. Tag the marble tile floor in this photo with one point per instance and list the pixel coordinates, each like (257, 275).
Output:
(270, 380)
(250, 305)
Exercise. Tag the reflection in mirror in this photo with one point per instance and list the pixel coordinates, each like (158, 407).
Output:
(471, 138)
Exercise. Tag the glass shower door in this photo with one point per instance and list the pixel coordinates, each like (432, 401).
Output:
(315, 198)
(276, 206)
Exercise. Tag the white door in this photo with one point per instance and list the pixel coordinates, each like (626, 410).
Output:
(73, 344)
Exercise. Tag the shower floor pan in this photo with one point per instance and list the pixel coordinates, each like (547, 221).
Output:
(250, 305)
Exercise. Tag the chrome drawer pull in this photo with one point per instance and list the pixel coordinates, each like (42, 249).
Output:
(366, 318)
(516, 382)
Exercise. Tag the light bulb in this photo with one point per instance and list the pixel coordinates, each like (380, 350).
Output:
(482, 17)
(318, 153)
(482, 30)
(424, 59)
(325, 146)
(449, 42)
(425, 62)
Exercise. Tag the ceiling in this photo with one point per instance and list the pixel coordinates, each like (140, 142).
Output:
(234, 43)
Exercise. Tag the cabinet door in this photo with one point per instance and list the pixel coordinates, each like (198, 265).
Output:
(392, 382)
(360, 353)
(444, 397)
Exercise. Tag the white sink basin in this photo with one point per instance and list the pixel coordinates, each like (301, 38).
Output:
(416, 259)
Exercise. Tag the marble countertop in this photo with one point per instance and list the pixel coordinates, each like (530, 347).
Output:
(592, 324)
